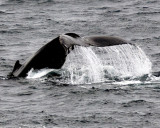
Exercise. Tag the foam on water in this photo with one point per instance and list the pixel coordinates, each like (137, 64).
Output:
(100, 64)
(38, 74)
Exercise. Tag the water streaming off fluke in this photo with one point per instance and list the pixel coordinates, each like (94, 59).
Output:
(100, 64)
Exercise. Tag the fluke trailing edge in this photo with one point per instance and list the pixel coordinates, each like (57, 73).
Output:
(53, 54)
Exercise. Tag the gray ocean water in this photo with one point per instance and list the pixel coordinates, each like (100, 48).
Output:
(26, 25)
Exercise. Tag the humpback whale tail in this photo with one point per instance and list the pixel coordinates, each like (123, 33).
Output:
(53, 54)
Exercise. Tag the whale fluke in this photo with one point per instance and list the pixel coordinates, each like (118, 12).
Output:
(53, 54)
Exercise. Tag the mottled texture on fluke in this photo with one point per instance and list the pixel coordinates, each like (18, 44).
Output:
(53, 54)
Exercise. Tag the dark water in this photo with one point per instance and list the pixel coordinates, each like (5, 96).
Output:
(25, 26)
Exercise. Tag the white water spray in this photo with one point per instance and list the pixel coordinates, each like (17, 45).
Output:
(100, 64)
(84, 65)
(127, 60)
(96, 64)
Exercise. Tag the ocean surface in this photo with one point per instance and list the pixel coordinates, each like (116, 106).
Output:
(110, 87)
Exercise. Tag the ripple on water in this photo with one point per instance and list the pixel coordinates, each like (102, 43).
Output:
(137, 103)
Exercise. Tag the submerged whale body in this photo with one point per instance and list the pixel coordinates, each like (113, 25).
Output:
(53, 54)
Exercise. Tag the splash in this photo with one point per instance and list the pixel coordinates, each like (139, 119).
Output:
(98, 64)
(85, 65)
(126, 60)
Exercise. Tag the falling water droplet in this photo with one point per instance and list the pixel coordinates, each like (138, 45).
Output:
(93, 64)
